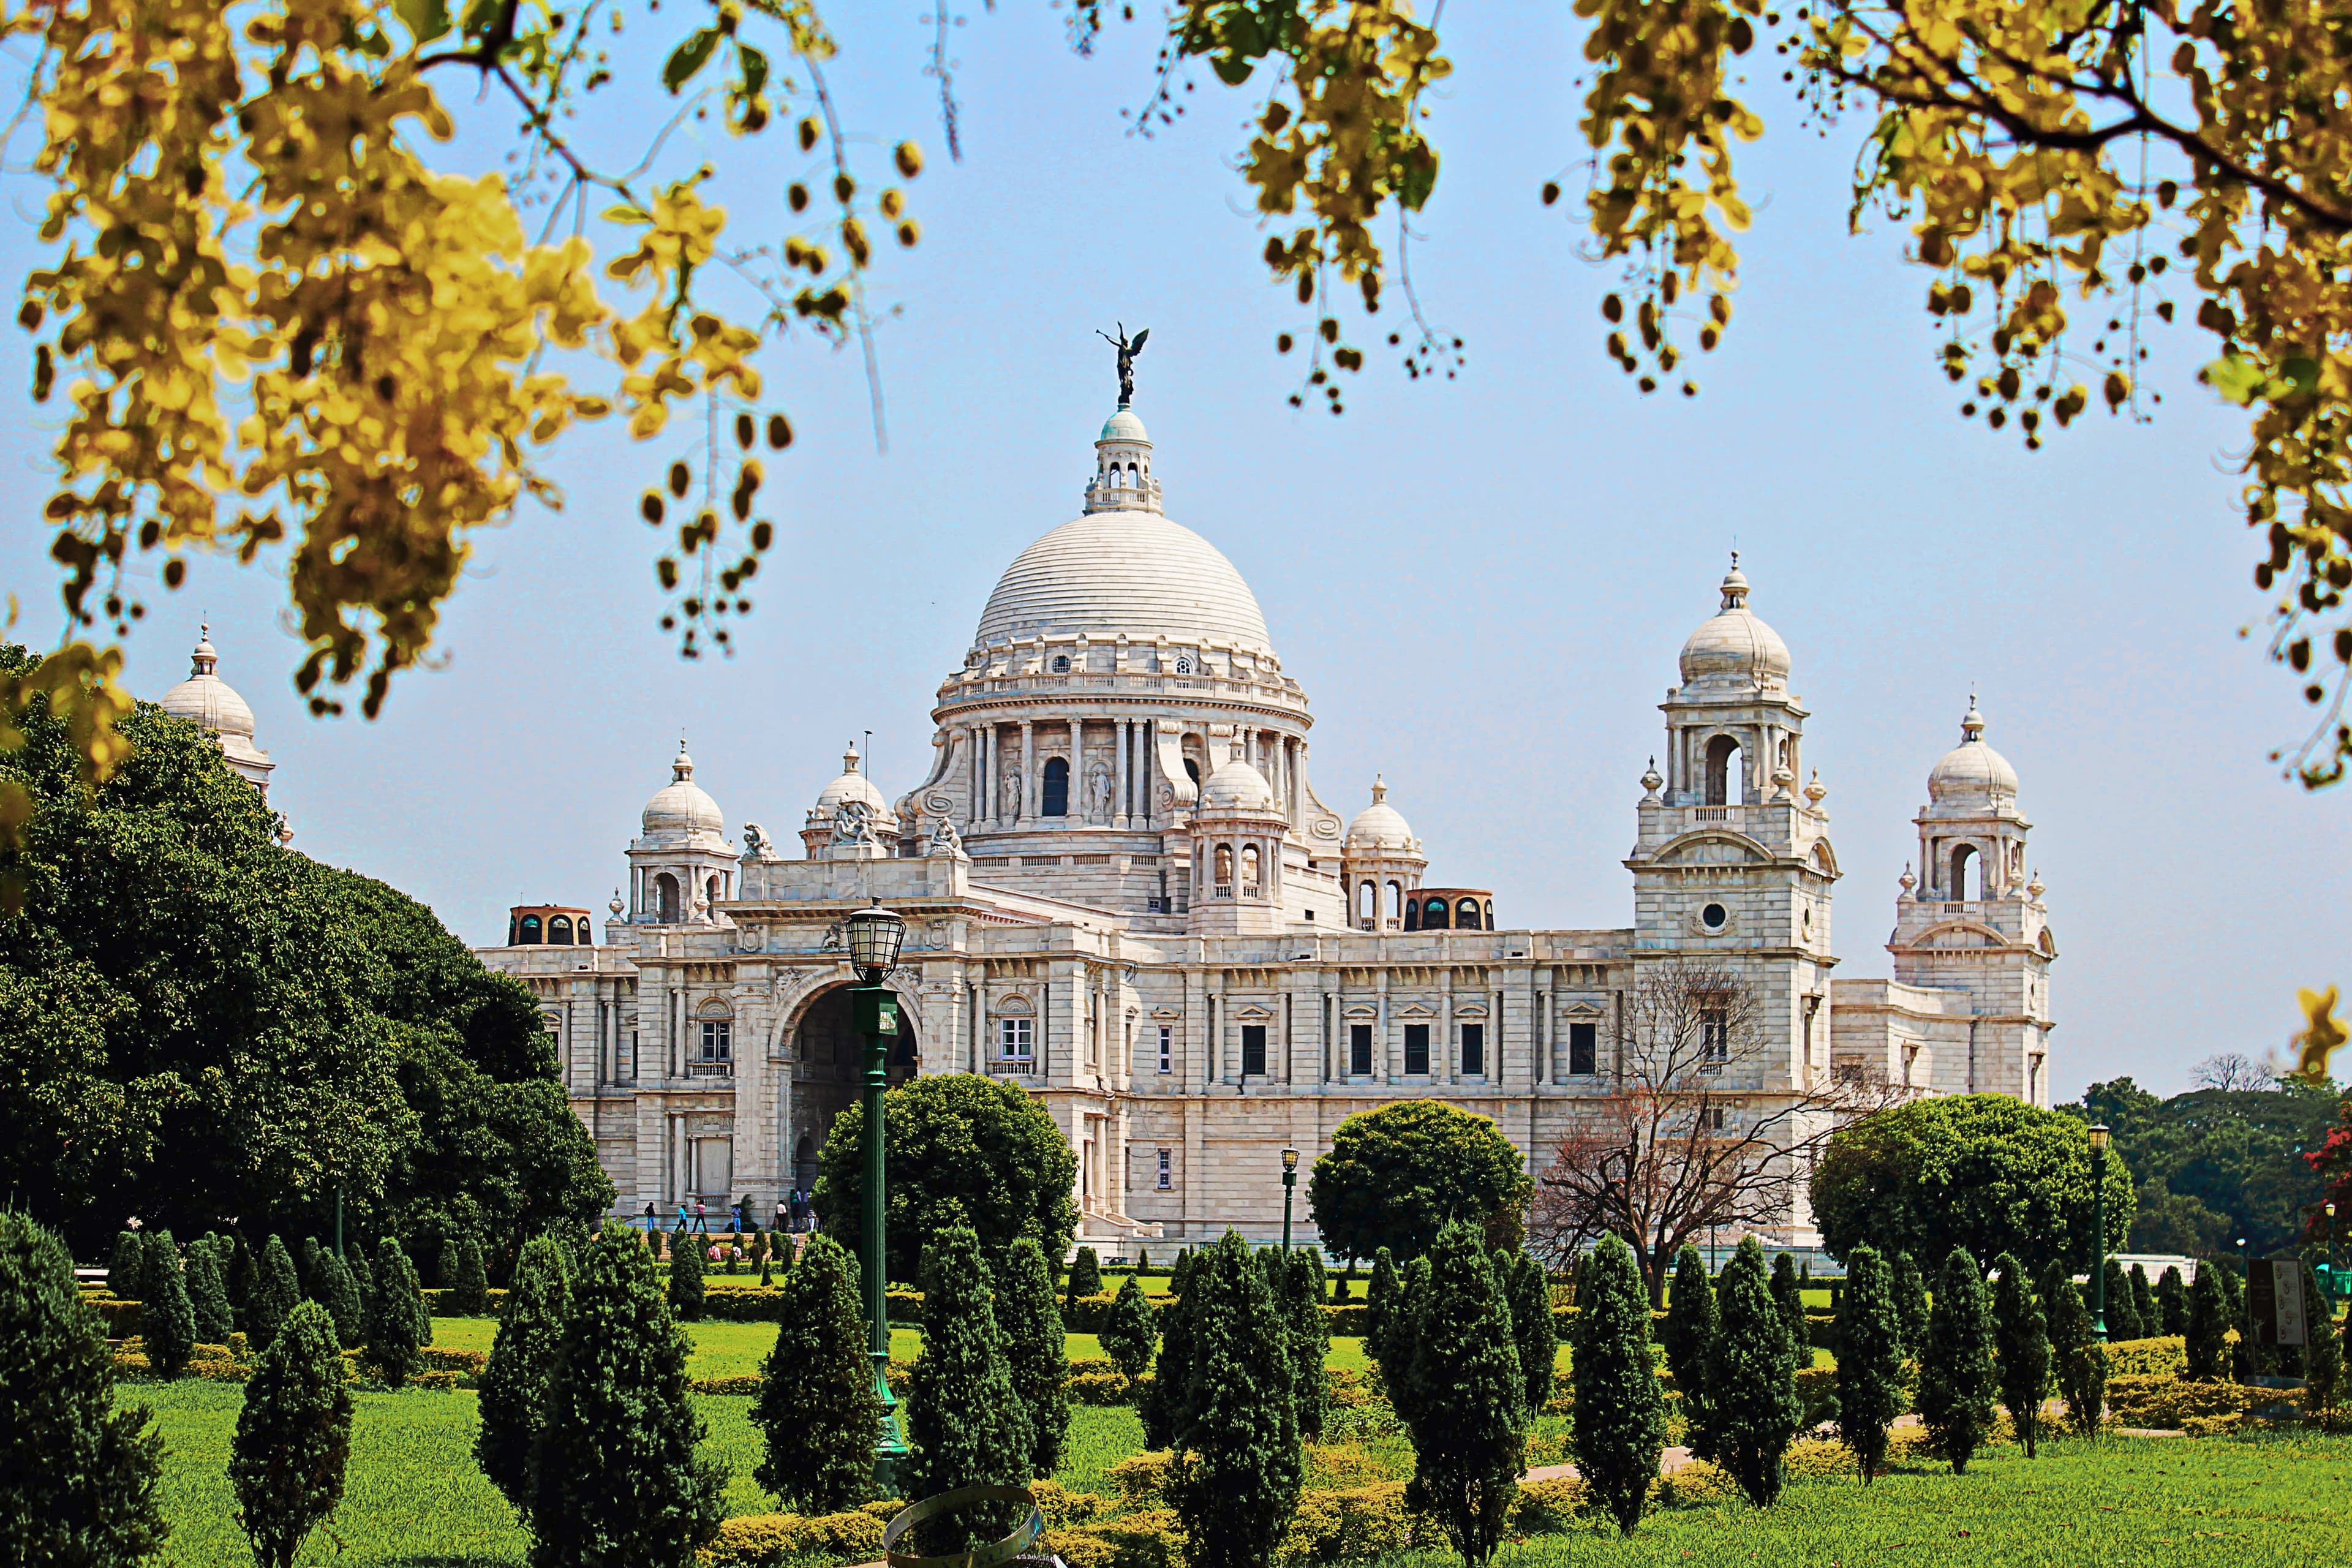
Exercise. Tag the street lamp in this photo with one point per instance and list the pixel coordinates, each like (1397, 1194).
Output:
(2099, 1231)
(1289, 1186)
(874, 937)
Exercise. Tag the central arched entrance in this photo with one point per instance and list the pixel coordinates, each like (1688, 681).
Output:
(828, 1057)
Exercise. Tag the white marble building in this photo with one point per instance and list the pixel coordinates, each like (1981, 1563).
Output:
(1125, 893)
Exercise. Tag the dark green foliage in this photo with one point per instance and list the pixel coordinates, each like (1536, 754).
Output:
(125, 1267)
(1034, 1350)
(306, 1267)
(396, 1316)
(1752, 1411)
(1689, 1329)
(522, 1359)
(1299, 1296)
(1789, 1296)
(2215, 1165)
(1957, 1376)
(167, 1324)
(1394, 1176)
(1128, 1335)
(1162, 1408)
(2079, 1361)
(79, 1477)
(2123, 1314)
(1238, 1468)
(1984, 1172)
(2022, 1342)
(1621, 1418)
(1142, 1260)
(966, 1424)
(963, 1149)
(1910, 1303)
(355, 1263)
(469, 1283)
(616, 1480)
(765, 1247)
(293, 1437)
(276, 1293)
(1344, 1290)
(207, 1296)
(339, 1294)
(685, 1287)
(1384, 1303)
(244, 1273)
(1404, 1335)
(1529, 1299)
(816, 1410)
(2323, 1358)
(1870, 1359)
(1468, 1413)
(1086, 1273)
(2172, 1301)
(2209, 1323)
(2151, 1322)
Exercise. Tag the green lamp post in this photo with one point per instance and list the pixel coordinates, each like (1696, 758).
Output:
(874, 936)
(1289, 1186)
(2099, 1232)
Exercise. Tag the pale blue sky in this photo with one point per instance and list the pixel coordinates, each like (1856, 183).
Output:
(1481, 584)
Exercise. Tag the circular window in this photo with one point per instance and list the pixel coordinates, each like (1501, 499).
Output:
(1714, 917)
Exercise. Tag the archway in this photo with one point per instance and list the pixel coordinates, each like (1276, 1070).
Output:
(827, 1058)
(1725, 772)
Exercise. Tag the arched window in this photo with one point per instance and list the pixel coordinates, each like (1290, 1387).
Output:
(1395, 910)
(666, 898)
(1465, 915)
(1432, 914)
(1967, 874)
(1413, 915)
(559, 931)
(1224, 869)
(1061, 664)
(530, 936)
(710, 893)
(1725, 780)
(1368, 905)
(1249, 868)
(1057, 788)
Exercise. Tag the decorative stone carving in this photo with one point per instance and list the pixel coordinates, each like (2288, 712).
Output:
(755, 843)
(852, 823)
(945, 840)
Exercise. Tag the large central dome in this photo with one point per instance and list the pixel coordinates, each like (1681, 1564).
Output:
(1136, 573)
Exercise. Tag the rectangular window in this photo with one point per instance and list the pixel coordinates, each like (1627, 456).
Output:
(1474, 1049)
(718, 1040)
(1584, 1049)
(1252, 1050)
(1167, 1048)
(1014, 1052)
(1715, 1039)
(1167, 1171)
(1359, 1050)
(1416, 1050)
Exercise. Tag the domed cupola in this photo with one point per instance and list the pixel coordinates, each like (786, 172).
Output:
(1971, 774)
(868, 818)
(682, 807)
(205, 699)
(1380, 825)
(1235, 789)
(1735, 645)
(682, 867)
(1380, 863)
(1236, 832)
(1123, 480)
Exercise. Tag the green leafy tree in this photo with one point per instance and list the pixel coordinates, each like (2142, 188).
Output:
(275, 1296)
(1394, 1176)
(1162, 1406)
(1383, 1301)
(1911, 1303)
(470, 1284)
(1468, 1413)
(2172, 1301)
(293, 1437)
(2022, 1341)
(125, 1267)
(1789, 1293)
(1870, 1359)
(79, 1476)
(1957, 1377)
(2323, 1357)
(686, 1285)
(1238, 1470)
(615, 1477)
(2078, 1359)
(207, 1295)
(1530, 1298)
(1752, 1412)
(167, 1323)
(1689, 1329)
(1619, 1422)
(1034, 1350)
(2123, 1312)
(962, 1148)
(817, 1412)
(1983, 1172)
(523, 1359)
(339, 1294)
(1128, 1335)
(1086, 1273)
(396, 1316)
(2210, 1322)
(2216, 1164)
(967, 1424)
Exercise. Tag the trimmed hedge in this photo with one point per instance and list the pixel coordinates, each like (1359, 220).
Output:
(2199, 1409)
(2164, 1356)
(775, 1540)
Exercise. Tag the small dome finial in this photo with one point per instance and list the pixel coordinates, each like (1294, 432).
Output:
(1972, 724)
(849, 759)
(681, 767)
(1379, 788)
(1734, 585)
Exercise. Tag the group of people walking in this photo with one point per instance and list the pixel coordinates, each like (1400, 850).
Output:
(795, 1211)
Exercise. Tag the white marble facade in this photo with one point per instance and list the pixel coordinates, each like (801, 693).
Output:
(1125, 894)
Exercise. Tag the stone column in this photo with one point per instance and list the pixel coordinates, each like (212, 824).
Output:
(1122, 735)
(1078, 770)
(1450, 1069)
(1028, 774)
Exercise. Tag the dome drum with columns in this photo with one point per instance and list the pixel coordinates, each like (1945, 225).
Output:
(1124, 894)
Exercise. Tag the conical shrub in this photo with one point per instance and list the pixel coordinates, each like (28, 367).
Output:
(293, 1437)
(1957, 1376)
(1163, 1404)
(685, 1286)
(126, 1266)
(339, 1294)
(2323, 1356)
(1689, 1329)
(1788, 1291)
(2080, 1361)
(1128, 1334)
(276, 1293)
(1086, 1273)
(469, 1288)
(207, 1294)
(2209, 1324)
(1238, 1471)
(2171, 1301)
(1036, 1352)
(1381, 1301)
(396, 1316)
(167, 1324)
(816, 1409)
(2123, 1314)
(966, 1425)
(1911, 1303)
(2022, 1341)
(1752, 1411)
(1468, 1419)
(1620, 1421)
(522, 1361)
(1869, 1359)
(1301, 1303)
(1531, 1326)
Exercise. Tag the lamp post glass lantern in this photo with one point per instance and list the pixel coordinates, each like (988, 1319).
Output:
(2099, 1136)
(1289, 1186)
(873, 938)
